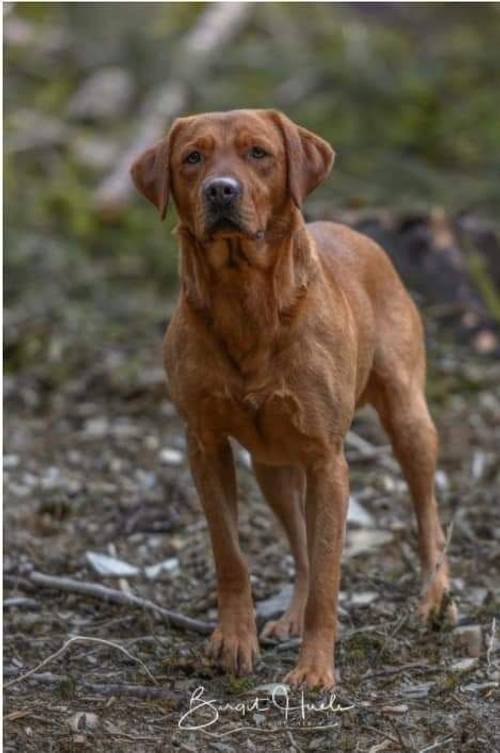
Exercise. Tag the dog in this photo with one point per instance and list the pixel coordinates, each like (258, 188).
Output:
(281, 331)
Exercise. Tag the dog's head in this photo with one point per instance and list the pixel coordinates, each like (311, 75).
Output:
(232, 173)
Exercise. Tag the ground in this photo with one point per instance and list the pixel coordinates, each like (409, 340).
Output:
(94, 458)
(94, 462)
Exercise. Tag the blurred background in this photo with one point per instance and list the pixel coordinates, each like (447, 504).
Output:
(407, 93)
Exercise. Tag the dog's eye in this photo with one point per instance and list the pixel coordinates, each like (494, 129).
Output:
(256, 152)
(193, 158)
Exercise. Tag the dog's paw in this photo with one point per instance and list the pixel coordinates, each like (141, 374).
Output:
(436, 605)
(235, 650)
(288, 626)
(315, 673)
(438, 610)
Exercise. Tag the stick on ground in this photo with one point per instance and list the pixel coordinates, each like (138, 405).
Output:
(80, 639)
(112, 595)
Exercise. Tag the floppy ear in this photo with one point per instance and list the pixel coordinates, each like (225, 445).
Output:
(309, 157)
(150, 173)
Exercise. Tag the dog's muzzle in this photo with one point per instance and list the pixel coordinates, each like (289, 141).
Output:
(221, 198)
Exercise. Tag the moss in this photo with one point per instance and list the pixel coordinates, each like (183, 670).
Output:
(67, 688)
(238, 685)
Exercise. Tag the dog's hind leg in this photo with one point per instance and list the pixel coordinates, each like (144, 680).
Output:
(402, 407)
(284, 489)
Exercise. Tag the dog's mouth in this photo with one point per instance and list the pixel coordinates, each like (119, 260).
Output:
(225, 225)
(228, 225)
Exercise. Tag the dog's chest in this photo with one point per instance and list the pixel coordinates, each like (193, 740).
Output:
(273, 422)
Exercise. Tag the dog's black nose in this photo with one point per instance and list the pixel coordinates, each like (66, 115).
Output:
(221, 193)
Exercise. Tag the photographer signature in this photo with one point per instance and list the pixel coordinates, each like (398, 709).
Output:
(205, 712)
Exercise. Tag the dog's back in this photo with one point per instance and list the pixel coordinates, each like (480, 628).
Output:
(386, 317)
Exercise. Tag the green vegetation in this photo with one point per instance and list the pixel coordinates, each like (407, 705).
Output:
(405, 93)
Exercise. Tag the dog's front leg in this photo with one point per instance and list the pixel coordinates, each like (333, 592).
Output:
(326, 512)
(234, 641)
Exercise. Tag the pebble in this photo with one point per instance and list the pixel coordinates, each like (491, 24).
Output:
(357, 514)
(170, 565)
(170, 456)
(83, 720)
(271, 608)
(463, 665)
(365, 540)
(105, 565)
(363, 598)
(402, 708)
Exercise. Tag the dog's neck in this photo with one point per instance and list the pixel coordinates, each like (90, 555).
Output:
(247, 291)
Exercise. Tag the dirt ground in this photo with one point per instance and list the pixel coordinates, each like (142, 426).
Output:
(94, 463)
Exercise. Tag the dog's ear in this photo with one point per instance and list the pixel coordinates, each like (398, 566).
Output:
(309, 157)
(150, 174)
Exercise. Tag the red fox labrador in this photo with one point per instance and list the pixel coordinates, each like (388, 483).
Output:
(280, 332)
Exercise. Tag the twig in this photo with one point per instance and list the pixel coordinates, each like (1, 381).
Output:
(437, 744)
(144, 692)
(20, 601)
(81, 639)
(382, 733)
(133, 738)
(378, 747)
(114, 596)
(490, 646)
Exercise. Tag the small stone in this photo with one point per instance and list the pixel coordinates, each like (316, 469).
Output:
(421, 690)
(463, 665)
(170, 456)
(82, 721)
(402, 708)
(105, 565)
(469, 638)
(271, 608)
(357, 514)
(363, 540)
(363, 599)
(170, 565)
